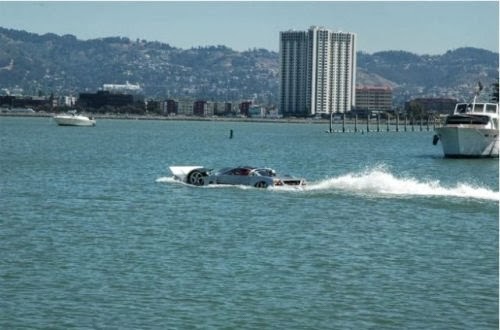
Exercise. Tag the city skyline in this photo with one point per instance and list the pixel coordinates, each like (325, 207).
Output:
(421, 27)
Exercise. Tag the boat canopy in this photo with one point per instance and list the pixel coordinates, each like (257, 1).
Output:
(469, 120)
(476, 108)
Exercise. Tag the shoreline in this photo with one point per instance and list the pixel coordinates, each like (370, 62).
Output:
(362, 123)
(180, 118)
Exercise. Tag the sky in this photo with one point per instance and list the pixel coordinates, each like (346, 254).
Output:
(421, 27)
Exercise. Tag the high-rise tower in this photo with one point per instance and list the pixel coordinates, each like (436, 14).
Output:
(317, 72)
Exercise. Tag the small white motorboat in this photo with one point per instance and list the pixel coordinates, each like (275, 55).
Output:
(72, 118)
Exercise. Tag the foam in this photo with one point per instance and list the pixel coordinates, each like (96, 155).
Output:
(381, 182)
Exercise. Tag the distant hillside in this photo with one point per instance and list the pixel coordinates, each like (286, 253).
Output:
(65, 65)
(453, 74)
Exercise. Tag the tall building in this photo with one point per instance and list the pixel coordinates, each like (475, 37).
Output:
(317, 72)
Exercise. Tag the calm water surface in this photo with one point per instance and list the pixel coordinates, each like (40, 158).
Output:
(387, 235)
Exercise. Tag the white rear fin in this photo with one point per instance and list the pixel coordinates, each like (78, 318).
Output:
(181, 172)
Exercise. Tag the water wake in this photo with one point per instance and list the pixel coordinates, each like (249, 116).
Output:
(166, 179)
(381, 182)
(172, 180)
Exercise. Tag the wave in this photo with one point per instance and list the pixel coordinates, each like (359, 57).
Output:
(167, 179)
(172, 180)
(381, 183)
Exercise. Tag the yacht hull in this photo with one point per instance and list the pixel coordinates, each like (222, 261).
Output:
(463, 142)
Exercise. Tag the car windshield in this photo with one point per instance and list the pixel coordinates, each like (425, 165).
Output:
(264, 172)
(240, 171)
(243, 171)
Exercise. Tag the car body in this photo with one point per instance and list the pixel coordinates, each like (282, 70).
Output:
(241, 175)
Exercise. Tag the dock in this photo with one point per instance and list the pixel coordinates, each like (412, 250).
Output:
(395, 123)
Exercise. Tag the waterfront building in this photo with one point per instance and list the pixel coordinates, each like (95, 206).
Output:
(105, 98)
(171, 107)
(228, 108)
(200, 108)
(126, 88)
(245, 108)
(374, 98)
(424, 105)
(317, 72)
(185, 107)
(215, 108)
(18, 102)
(257, 111)
(69, 101)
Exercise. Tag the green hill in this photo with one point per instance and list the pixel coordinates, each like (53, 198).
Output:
(65, 65)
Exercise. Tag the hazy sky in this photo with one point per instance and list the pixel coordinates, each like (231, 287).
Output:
(422, 27)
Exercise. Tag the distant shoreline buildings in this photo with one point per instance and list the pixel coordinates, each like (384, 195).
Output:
(317, 77)
(317, 72)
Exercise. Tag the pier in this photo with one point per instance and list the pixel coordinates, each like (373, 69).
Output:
(387, 123)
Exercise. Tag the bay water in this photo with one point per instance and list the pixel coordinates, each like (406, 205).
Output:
(387, 234)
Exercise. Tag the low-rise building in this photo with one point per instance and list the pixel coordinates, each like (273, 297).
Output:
(225, 109)
(374, 98)
(171, 107)
(219, 108)
(185, 107)
(105, 98)
(257, 111)
(200, 108)
(440, 105)
(126, 88)
(245, 108)
(38, 102)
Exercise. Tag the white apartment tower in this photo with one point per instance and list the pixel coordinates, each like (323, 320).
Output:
(317, 72)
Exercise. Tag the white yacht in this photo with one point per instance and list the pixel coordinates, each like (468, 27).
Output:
(471, 131)
(72, 118)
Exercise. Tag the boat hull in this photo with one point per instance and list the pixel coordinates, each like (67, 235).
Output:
(467, 142)
(74, 121)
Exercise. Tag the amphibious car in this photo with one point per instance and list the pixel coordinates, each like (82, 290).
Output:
(240, 175)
